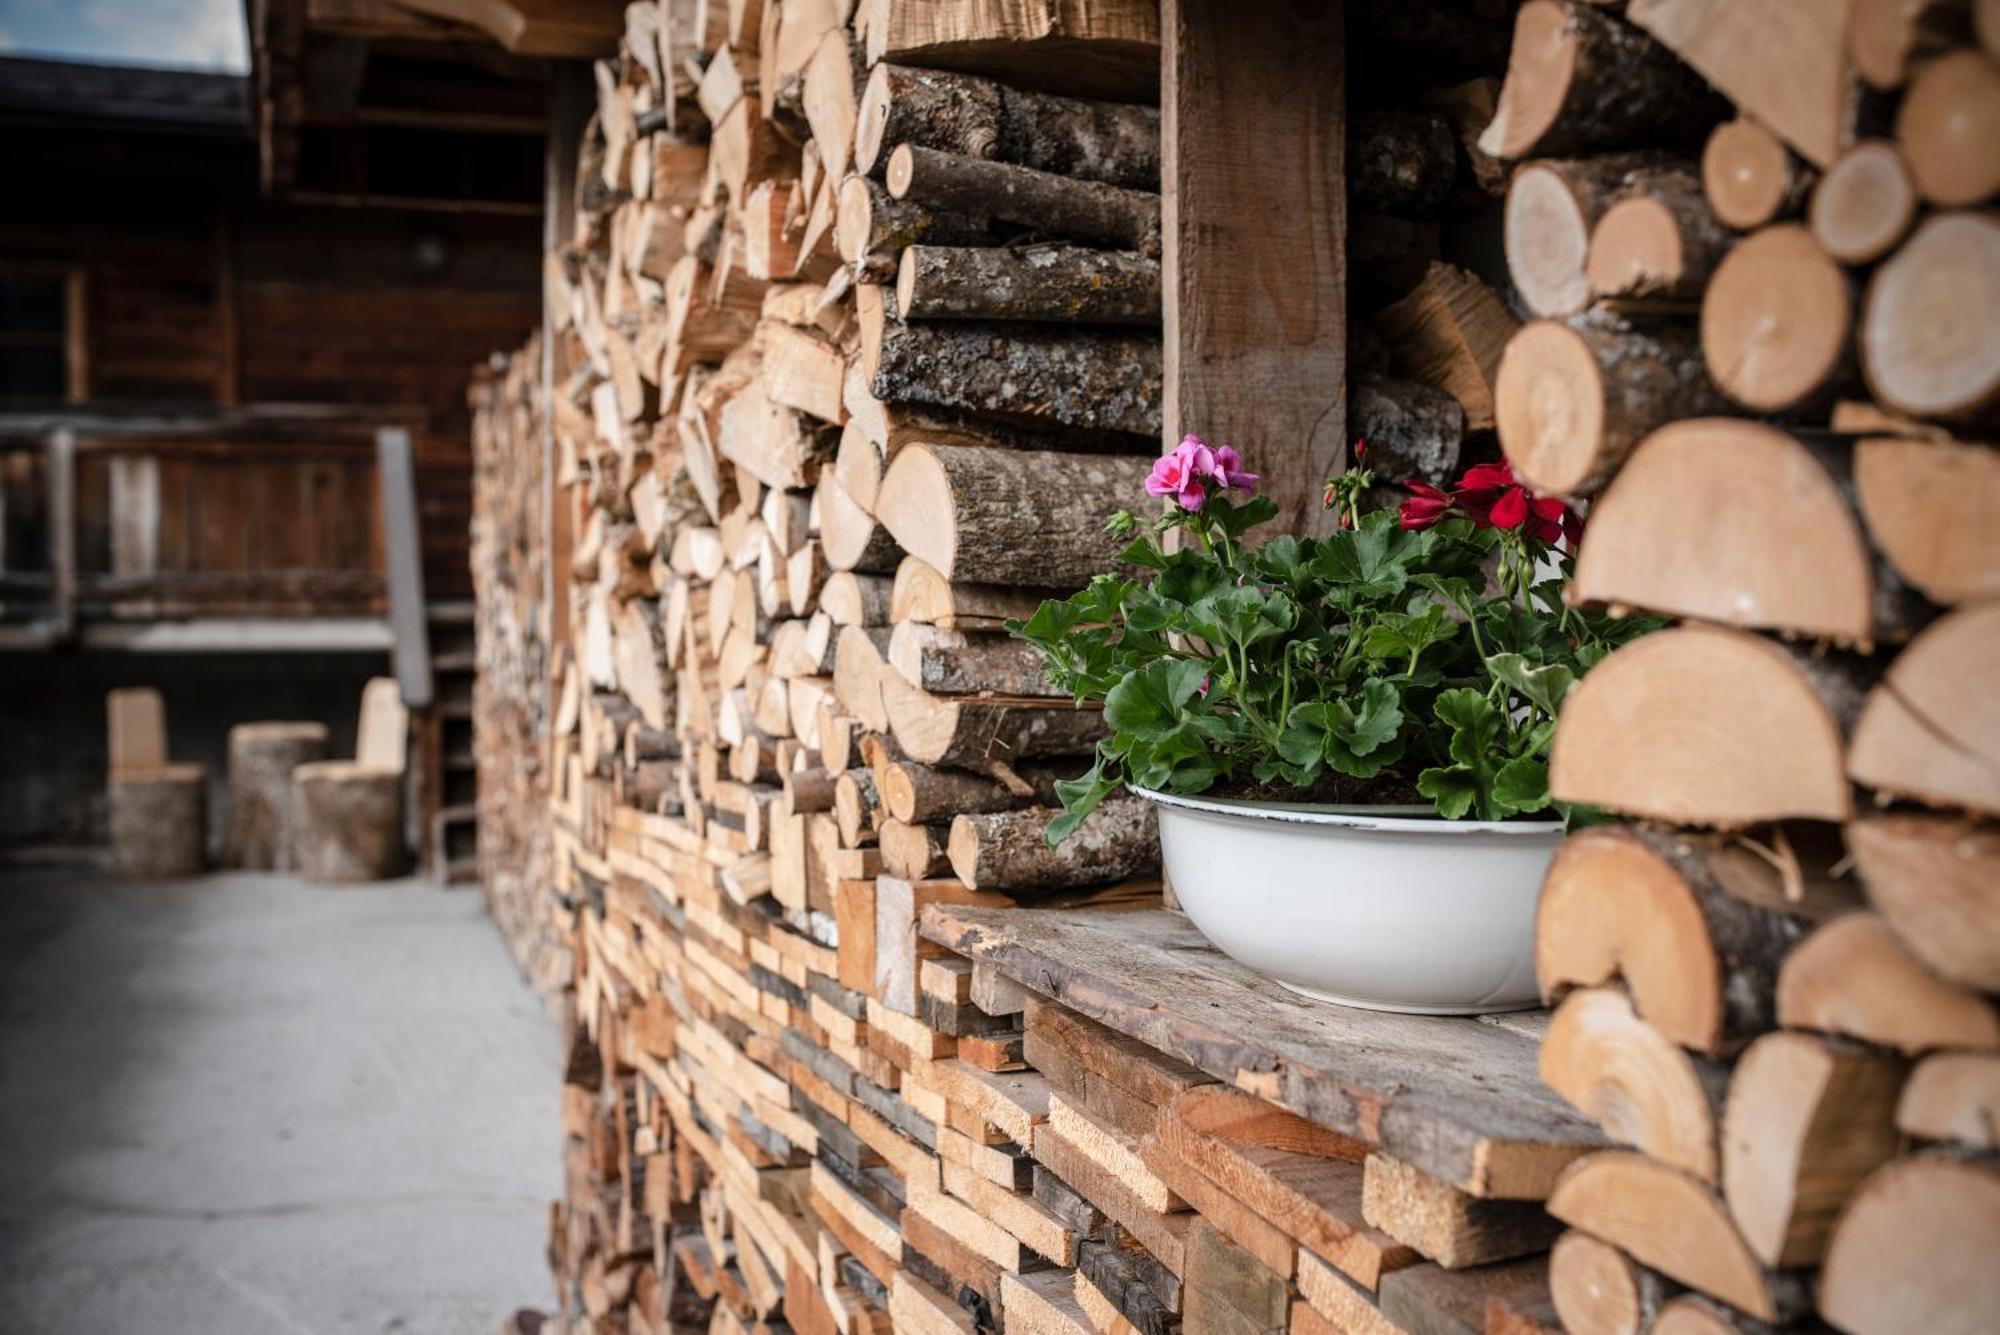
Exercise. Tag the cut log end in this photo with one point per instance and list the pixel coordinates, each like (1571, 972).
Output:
(1547, 236)
(1914, 1250)
(1852, 977)
(1748, 175)
(1864, 204)
(1626, 1076)
(1930, 334)
(1775, 320)
(1949, 129)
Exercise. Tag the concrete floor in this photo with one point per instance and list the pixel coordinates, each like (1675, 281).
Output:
(244, 1104)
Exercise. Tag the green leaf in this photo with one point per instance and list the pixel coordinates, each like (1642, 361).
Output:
(1453, 789)
(1400, 636)
(1475, 727)
(1148, 703)
(1522, 785)
(1544, 687)
(1080, 796)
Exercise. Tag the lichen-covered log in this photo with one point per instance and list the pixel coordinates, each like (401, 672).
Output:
(1052, 282)
(157, 823)
(974, 732)
(871, 227)
(1659, 243)
(347, 822)
(917, 793)
(1119, 840)
(1401, 162)
(1056, 206)
(1411, 431)
(962, 113)
(950, 662)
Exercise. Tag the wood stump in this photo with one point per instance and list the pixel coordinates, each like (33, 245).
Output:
(157, 825)
(347, 822)
(262, 757)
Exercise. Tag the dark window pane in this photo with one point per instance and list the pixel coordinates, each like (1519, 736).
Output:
(31, 303)
(33, 374)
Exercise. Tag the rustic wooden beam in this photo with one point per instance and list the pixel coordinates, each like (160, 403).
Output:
(1253, 134)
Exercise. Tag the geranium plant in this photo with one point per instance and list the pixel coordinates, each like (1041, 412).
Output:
(1416, 655)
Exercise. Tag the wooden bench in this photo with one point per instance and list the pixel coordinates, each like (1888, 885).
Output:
(347, 815)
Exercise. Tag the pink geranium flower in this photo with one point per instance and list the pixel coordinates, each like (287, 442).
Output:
(1230, 466)
(1184, 473)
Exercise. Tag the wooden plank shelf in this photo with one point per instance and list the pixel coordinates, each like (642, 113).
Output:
(1452, 1096)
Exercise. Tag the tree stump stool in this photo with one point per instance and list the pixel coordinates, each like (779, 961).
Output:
(157, 828)
(347, 822)
(262, 757)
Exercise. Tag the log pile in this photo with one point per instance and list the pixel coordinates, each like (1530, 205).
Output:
(854, 349)
(1775, 979)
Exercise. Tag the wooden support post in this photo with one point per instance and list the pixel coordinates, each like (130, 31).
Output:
(1252, 109)
(396, 476)
(61, 467)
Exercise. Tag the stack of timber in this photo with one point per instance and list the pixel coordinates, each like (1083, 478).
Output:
(1757, 247)
(854, 348)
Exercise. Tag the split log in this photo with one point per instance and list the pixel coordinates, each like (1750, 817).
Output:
(158, 826)
(1579, 78)
(855, 805)
(262, 757)
(872, 227)
(1704, 726)
(1914, 1251)
(989, 513)
(1852, 977)
(1930, 333)
(1094, 379)
(950, 662)
(1931, 730)
(1658, 244)
(1933, 510)
(849, 537)
(1449, 333)
(922, 594)
(1775, 322)
(1887, 38)
(916, 794)
(858, 672)
(1118, 841)
(914, 852)
(1552, 208)
(1750, 177)
(1410, 430)
(1784, 64)
(1955, 1097)
(1571, 401)
(1445, 1224)
(1806, 1120)
(1692, 1314)
(1598, 1290)
(851, 599)
(639, 657)
(1695, 927)
(1739, 523)
(1400, 162)
(1055, 206)
(347, 822)
(1936, 881)
(1632, 1080)
(1864, 204)
(1116, 143)
(1050, 282)
(972, 732)
(1668, 1221)
(1948, 128)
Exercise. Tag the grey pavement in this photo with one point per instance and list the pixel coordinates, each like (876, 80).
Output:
(245, 1104)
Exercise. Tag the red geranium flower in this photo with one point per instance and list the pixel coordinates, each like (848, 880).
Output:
(1493, 498)
(1425, 507)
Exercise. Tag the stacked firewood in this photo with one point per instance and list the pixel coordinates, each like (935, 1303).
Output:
(1767, 343)
(512, 643)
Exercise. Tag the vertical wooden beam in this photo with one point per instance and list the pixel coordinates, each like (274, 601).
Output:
(1253, 160)
(61, 466)
(228, 335)
(76, 336)
(395, 471)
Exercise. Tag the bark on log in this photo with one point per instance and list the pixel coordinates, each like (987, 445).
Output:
(1953, 1097)
(1598, 1290)
(1449, 333)
(1936, 882)
(1055, 206)
(1933, 510)
(922, 594)
(1750, 177)
(1948, 128)
(872, 227)
(855, 806)
(158, 825)
(1552, 208)
(1930, 334)
(1914, 1251)
(1117, 841)
(1665, 1219)
(1864, 204)
(950, 662)
(1775, 322)
(857, 600)
(985, 513)
(1705, 726)
(1931, 730)
(849, 537)
(962, 113)
(972, 733)
(347, 822)
(1579, 78)
(914, 852)
(1739, 523)
(917, 794)
(1401, 162)
(1572, 401)
(1852, 977)
(1629, 1078)
(262, 757)
(1411, 430)
(1658, 244)
(1806, 1121)
(1051, 282)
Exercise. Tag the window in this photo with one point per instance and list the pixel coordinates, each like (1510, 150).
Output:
(41, 335)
